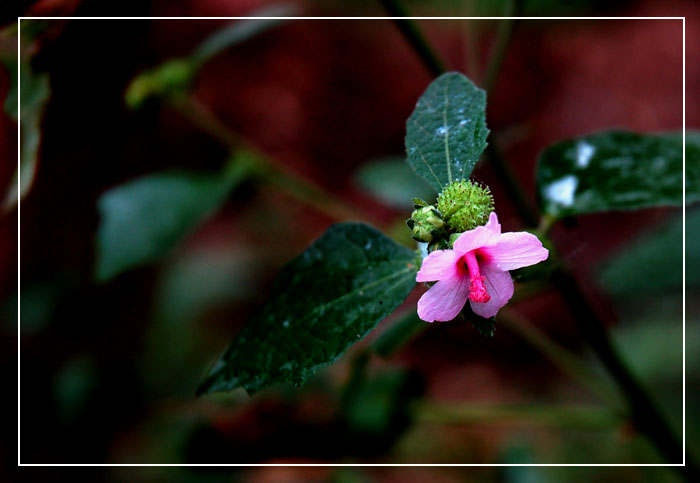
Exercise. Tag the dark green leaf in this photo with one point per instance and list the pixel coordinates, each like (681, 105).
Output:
(323, 301)
(653, 262)
(392, 181)
(447, 131)
(144, 219)
(379, 405)
(616, 170)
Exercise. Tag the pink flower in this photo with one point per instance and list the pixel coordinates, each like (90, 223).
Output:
(476, 269)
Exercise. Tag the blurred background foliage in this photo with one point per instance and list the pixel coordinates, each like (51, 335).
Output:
(110, 365)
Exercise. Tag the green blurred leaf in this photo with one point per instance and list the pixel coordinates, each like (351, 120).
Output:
(241, 30)
(325, 300)
(174, 77)
(191, 288)
(39, 301)
(393, 182)
(170, 79)
(73, 385)
(33, 97)
(653, 262)
(616, 170)
(447, 131)
(379, 405)
(143, 219)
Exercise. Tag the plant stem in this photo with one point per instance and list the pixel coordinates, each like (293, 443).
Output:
(502, 168)
(511, 185)
(644, 413)
(561, 357)
(566, 416)
(414, 36)
(291, 182)
(505, 29)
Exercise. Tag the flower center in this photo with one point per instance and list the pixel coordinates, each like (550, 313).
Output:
(477, 290)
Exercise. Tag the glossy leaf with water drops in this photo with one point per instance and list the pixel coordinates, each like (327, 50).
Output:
(617, 170)
(326, 299)
(446, 133)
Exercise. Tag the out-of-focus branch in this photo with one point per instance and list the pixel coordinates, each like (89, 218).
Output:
(513, 8)
(566, 361)
(289, 181)
(414, 36)
(562, 416)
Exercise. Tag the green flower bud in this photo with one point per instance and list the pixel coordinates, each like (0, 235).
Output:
(425, 223)
(465, 205)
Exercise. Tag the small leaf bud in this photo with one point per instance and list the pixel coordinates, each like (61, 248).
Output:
(425, 223)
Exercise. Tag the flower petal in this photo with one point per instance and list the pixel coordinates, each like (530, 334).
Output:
(481, 236)
(444, 300)
(499, 285)
(438, 265)
(515, 250)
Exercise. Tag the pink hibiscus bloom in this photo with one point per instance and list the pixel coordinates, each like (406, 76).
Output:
(476, 269)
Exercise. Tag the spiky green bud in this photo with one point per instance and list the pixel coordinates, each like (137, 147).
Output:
(465, 205)
(425, 223)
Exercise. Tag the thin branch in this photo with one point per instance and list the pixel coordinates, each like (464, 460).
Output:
(567, 362)
(289, 181)
(414, 36)
(513, 8)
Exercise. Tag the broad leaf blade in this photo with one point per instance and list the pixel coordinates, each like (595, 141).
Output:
(323, 301)
(616, 170)
(143, 219)
(447, 131)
